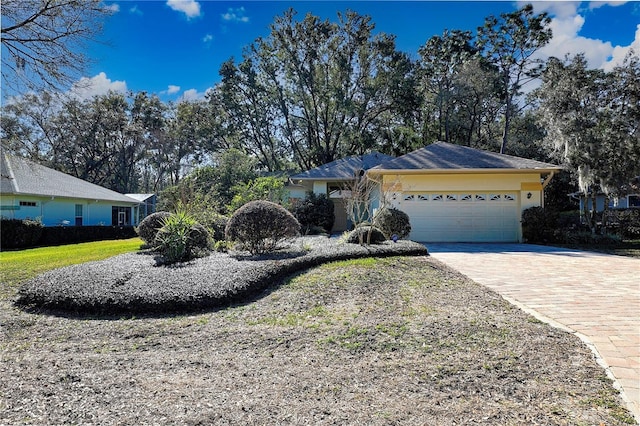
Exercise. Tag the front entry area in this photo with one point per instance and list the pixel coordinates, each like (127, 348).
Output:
(462, 216)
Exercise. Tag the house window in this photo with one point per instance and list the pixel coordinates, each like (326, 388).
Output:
(509, 197)
(452, 197)
(27, 204)
(437, 197)
(409, 197)
(466, 197)
(78, 214)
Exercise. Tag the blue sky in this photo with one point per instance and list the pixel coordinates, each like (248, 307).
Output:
(174, 48)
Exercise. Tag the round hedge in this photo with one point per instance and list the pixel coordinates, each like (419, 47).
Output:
(259, 226)
(393, 221)
(361, 233)
(150, 225)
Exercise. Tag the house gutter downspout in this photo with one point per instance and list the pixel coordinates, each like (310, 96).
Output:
(545, 183)
(547, 180)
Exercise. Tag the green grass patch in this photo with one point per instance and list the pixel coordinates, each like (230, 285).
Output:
(19, 266)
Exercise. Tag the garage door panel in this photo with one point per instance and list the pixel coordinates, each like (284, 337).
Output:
(468, 217)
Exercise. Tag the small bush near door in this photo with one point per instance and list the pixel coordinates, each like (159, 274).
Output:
(315, 211)
(538, 225)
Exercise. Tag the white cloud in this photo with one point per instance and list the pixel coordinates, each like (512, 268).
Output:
(135, 10)
(192, 95)
(87, 88)
(115, 7)
(620, 52)
(173, 89)
(235, 15)
(559, 9)
(191, 8)
(207, 38)
(614, 3)
(566, 23)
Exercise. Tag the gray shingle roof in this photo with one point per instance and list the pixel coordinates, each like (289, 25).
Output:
(446, 156)
(21, 176)
(344, 168)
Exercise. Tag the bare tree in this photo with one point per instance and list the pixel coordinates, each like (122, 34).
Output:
(43, 41)
(360, 193)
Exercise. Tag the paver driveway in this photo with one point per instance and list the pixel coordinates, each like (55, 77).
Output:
(597, 296)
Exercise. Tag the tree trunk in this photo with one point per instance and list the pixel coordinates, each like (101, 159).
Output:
(605, 214)
(594, 210)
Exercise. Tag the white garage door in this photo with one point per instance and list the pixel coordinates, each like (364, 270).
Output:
(462, 217)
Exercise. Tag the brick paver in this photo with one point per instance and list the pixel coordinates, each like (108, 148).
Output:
(595, 296)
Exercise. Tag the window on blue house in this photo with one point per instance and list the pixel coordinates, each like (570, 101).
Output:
(78, 214)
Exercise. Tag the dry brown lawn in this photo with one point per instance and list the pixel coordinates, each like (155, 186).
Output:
(395, 341)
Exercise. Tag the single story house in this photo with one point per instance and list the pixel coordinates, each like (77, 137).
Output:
(621, 202)
(31, 191)
(451, 193)
(454, 193)
(333, 180)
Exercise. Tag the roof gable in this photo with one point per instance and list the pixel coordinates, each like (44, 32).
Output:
(446, 156)
(344, 168)
(21, 176)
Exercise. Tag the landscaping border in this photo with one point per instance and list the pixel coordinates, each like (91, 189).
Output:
(134, 283)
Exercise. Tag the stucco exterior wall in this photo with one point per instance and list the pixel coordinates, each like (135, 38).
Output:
(525, 183)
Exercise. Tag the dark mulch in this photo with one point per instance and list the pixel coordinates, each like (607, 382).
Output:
(135, 283)
(394, 341)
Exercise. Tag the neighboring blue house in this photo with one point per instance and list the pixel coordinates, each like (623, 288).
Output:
(622, 202)
(31, 191)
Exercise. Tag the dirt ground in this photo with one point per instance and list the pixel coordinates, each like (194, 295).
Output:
(395, 341)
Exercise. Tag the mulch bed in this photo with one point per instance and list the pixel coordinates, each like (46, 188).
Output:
(137, 283)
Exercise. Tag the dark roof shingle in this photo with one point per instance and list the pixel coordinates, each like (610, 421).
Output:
(344, 168)
(446, 156)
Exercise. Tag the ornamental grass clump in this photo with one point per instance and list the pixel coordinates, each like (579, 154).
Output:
(181, 238)
(150, 225)
(259, 226)
(393, 222)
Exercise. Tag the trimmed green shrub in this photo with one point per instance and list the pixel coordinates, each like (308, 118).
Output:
(625, 222)
(393, 222)
(259, 226)
(578, 237)
(366, 235)
(215, 223)
(18, 233)
(538, 225)
(181, 238)
(59, 235)
(313, 212)
(150, 225)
